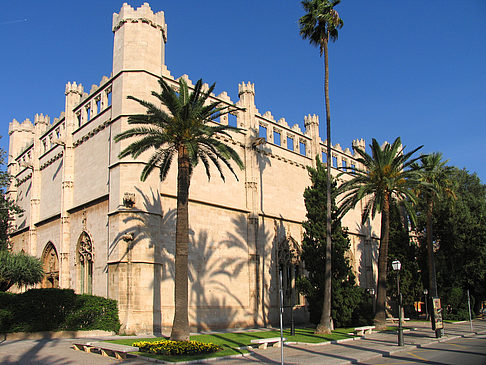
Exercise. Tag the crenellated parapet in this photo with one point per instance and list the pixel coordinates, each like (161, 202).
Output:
(246, 88)
(140, 37)
(73, 88)
(359, 143)
(143, 14)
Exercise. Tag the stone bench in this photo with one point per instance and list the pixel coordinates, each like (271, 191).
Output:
(263, 342)
(360, 331)
(105, 349)
(395, 320)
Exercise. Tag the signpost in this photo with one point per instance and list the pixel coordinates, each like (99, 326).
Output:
(437, 324)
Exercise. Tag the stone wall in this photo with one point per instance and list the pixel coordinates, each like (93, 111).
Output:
(71, 184)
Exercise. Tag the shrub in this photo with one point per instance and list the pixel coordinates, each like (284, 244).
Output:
(92, 312)
(56, 309)
(177, 347)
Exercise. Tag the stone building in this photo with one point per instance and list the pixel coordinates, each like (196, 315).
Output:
(98, 229)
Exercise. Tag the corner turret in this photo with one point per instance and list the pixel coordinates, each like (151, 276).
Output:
(140, 37)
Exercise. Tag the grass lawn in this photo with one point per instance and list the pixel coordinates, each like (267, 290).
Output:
(231, 342)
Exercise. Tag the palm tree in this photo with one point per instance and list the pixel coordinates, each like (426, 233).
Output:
(319, 25)
(181, 129)
(433, 173)
(384, 179)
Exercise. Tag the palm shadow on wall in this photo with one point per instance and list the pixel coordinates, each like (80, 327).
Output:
(211, 274)
(147, 227)
(369, 256)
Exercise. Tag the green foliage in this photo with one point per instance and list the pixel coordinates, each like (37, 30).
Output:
(350, 305)
(56, 309)
(20, 269)
(320, 23)
(168, 347)
(459, 238)
(7, 207)
(455, 304)
(184, 130)
(93, 312)
(402, 248)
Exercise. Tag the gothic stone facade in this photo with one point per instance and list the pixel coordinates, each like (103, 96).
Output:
(99, 230)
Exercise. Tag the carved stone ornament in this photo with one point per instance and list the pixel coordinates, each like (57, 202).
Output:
(288, 251)
(129, 200)
(85, 249)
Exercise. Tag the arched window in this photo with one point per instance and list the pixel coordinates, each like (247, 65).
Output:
(50, 264)
(84, 257)
(288, 258)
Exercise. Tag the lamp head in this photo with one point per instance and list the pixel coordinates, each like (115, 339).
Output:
(396, 265)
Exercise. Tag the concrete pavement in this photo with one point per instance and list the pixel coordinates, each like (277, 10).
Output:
(59, 351)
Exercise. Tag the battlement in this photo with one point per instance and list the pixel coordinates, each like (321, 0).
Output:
(74, 88)
(311, 120)
(246, 88)
(42, 119)
(359, 143)
(25, 126)
(142, 14)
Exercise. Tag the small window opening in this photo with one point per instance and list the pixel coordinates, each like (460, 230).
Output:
(232, 120)
(334, 161)
(302, 148)
(324, 157)
(290, 143)
(276, 138)
(262, 132)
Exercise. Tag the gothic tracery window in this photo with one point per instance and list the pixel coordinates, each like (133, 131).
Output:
(288, 256)
(84, 255)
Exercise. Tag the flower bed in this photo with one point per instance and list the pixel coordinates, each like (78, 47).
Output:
(177, 347)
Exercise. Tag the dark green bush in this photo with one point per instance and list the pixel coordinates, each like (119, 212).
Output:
(56, 309)
(93, 312)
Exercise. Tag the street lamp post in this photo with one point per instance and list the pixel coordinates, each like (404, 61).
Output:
(396, 265)
(426, 310)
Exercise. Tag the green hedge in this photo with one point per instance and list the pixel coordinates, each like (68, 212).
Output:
(56, 310)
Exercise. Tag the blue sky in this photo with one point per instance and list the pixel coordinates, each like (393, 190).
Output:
(414, 69)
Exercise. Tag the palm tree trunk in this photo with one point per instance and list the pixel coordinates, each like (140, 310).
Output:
(180, 326)
(379, 319)
(325, 324)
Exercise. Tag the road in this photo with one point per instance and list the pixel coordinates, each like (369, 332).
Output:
(462, 351)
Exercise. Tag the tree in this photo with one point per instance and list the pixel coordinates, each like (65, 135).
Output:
(320, 24)
(19, 269)
(406, 250)
(432, 172)
(7, 207)
(459, 241)
(384, 179)
(183, 131)
(348, 300)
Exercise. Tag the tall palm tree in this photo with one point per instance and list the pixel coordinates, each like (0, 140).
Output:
(437, 186)
(181, 129)
(320, 24)
(384, 179)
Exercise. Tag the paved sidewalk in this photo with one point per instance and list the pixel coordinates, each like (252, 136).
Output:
(358, 350)
(59, 351)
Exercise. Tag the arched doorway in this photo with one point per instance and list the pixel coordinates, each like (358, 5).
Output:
(50, 264)
(84, 260)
